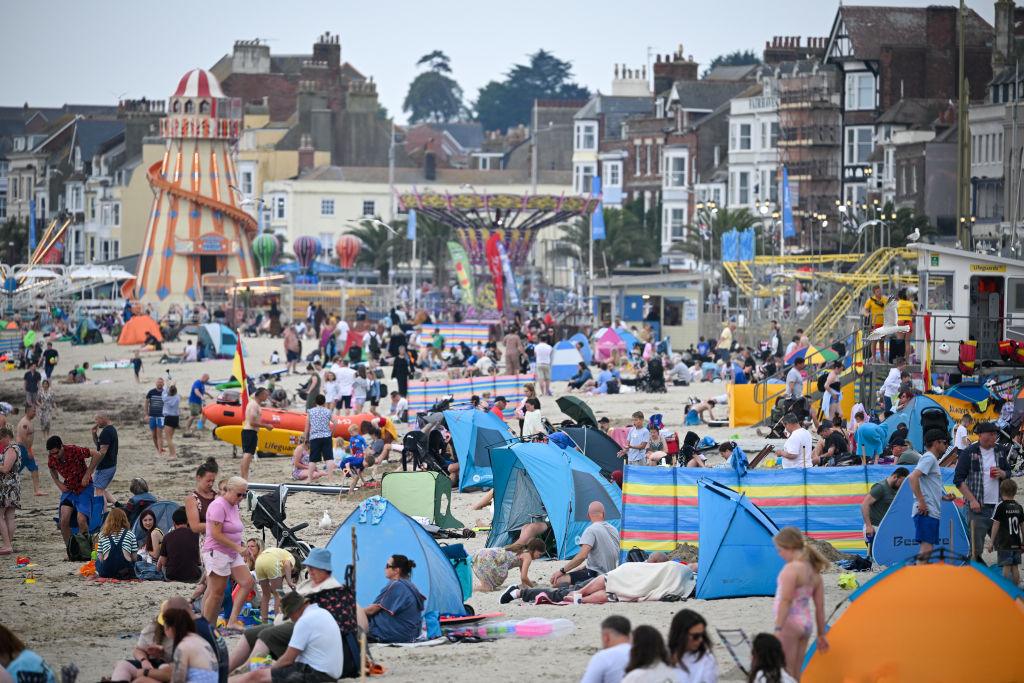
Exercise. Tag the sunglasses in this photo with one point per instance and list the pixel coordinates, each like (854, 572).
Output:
(697, 636)
(389, 566)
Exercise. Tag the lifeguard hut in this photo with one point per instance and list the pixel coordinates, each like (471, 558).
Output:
(198, 239)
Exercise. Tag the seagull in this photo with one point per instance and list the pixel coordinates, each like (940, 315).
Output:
(326, 522)
(914, 236)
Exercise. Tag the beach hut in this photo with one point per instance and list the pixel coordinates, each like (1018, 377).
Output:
(585, 350)
(382, 530)
(533, 479)
(134, 331)
(904, 598)
(217, 340)
(565, 361)
(737, 557)
(608, 343)
(474, 434)
(920, 413)
(894, 539)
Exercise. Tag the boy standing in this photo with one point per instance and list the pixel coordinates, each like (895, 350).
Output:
(926, 483)
(637, 440)
(1008, 531)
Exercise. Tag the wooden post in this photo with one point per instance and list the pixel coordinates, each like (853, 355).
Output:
(362, 634)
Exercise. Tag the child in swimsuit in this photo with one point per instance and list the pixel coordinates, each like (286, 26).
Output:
(798, 584)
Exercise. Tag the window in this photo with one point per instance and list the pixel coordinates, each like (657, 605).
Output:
(773, 135)
(485, 163)
(773, 184)
(999, 147)
(649, 153)
(75, 200)
(326, 245)
(913, 179)
(3, 208)
(856, 194)
(676, 219)
(583, 178)
(613, 173)
(743, 133)
(860, 91)
(327, 207)
(279, 207)
(675, 171)
(106, 215)
(369, 207)
(246, 182)
(586, 136)
(92, 249)
(636, 157)
(743, 188)
(939, 288)
(858, 145)
(92, 208)
(116, 214)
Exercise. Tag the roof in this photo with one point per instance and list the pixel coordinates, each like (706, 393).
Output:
(414, 176)
(913, 111)
(732, 73)
(198, 83)
(706, 95)
(615, 110)
(870, 28)
(91, 134)
(469, 134)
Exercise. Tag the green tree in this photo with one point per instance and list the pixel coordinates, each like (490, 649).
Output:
(432, 238)
(380, 248)
(434, 95)
(704, 235)
(628, 242)
(501, 105)
(14, 240)
(734, 58)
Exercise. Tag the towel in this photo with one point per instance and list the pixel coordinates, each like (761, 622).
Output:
(640, 581)
(374, 508)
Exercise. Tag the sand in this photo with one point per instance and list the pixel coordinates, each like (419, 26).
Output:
(67, 618)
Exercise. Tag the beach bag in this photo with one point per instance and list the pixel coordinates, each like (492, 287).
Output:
(456, 554)
(968, 357)
(148, 572)
(79, 548)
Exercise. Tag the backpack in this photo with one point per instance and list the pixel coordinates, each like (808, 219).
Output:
(821, 381)
(456, 554)
(79, 547)
(374, 344)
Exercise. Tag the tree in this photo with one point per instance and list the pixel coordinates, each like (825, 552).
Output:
(734, 58)
(704, 235)
(628, 242)
(14, 240)
(504, 104)
(380, 247)
(432, 238)
(434, 95)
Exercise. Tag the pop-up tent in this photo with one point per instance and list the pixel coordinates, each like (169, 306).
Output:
(163, 509)
(217, 340)
(565, 361)
(608, 342)
(382, 530)
(629, 339)
(474, 434)
(134, 331)
(969, 391)
(421, 494)
(737, 557)
(537, 479)
(894, 539)
(581, 339)
(920, 413)
(597, 446)
(904, 597)
(87, 332)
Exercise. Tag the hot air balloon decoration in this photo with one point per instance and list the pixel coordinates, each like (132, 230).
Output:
(306, 250)
(348, 248)
(264, 248)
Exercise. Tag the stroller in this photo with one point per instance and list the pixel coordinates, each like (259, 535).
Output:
(425, 449)
(268, 514)
(653, 382)
(783, 405)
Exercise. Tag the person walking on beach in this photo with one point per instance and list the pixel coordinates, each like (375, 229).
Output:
(153, 407)
(223, 551)
(104, 435)
(799, 585)
(137, 367)
(25, 436)
(195, 402)
(543, 352)
(926, 483)
(513, 352)
(10, 489)
(292, 347)
(47, 404)
(32, 380)
(250, 428)
(401, 371)
(50, 358)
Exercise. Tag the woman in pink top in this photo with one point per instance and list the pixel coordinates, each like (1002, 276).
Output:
(223, 552)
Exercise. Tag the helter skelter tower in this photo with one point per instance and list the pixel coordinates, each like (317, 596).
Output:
(197, 236)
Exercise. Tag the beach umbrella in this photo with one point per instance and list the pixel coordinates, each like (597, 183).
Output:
(306, 250)
(577, 410)
(812, 355)
(264, 248)
(348, 248)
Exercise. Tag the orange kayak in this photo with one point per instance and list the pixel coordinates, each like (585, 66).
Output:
(222, 415)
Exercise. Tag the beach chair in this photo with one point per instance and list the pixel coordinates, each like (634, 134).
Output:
(761, 455)
(738, 646)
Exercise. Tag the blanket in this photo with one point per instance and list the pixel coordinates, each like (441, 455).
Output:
(642, 581)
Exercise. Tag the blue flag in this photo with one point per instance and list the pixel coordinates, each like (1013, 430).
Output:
(410, 226)
(788, 230)
(746, 245)
(31, 228)
(597, 223)
(730, 245)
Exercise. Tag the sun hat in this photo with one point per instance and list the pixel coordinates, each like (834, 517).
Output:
(319, 558)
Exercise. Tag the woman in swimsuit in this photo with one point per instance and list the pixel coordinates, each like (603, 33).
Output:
(798, 585)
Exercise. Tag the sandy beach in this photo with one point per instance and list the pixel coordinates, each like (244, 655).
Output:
(67, 618)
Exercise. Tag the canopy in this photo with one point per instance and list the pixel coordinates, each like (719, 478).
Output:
(581, 339)
(421, 494)
(382, 530)
(597, 446)
(532, 479)
(577, 410)
(217, 340)
(812, 355)
(474, 434)
(915, 413)
(565, 360)
(134, 331)
(607, 343)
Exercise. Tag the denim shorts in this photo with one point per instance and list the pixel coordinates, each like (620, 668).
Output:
(926, 529)
(156, 422)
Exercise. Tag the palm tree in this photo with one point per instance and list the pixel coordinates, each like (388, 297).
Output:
(708, 226)
(627, 242)
(380, 247)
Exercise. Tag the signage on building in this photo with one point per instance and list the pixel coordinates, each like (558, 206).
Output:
(987, 268)
(210, 244)
(935, 260)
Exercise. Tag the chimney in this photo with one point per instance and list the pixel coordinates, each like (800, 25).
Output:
(672, 68)
(327, 49)
(1003, 47)
(306, 153)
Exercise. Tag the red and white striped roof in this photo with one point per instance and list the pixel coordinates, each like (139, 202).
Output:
(198, 83)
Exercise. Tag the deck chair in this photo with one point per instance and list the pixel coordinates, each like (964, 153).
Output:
(761, 455)
(738, 645)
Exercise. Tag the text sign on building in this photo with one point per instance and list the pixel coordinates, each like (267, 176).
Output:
(987, 268)
(210, 244)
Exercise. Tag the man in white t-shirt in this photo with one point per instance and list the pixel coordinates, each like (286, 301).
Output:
(609, 665)
(797, 450)
(543, 352)
(399, 411)
(314, 651)
(341, 332)
(346, 380)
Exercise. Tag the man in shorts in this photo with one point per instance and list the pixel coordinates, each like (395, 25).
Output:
(195, 402)
(32, 380)
(154, 410)
(25, 434)
(71, 468)
(104, 435)
(926, 483)
(599, 551)
(542, 352)
(250, 428)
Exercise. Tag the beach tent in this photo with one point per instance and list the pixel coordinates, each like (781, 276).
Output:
(908, 600)
(597, 446)
(533, 479)
(217, 340)
(565, 361)
(894, 537)
(912, 414)
(87, 332)
(580, 338)
(737, 557)
(608, 342)
(163, 509)
(421, 494)
(969, 391)
(382, 530)
(629, 339)
(474, 434)
(134, 331)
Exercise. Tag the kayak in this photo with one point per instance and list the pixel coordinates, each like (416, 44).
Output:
(230, 384)
(225, 414)
(273, 441)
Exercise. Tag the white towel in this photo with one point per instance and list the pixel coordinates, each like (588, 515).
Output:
(639, 581)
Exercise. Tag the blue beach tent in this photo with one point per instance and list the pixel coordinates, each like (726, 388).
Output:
(475, 434)
(894, 538)
(969, 391)
(628, 338)
(565, 360)
(217, 340)
(737, 557)
(382, 530)
(535, 479)
(911, 415)
(588, 355)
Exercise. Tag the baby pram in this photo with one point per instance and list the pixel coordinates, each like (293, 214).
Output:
(783, 405)
(268, 514)
(425, 449)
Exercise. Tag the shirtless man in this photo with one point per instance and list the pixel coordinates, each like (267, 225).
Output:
(250, 428)
(24, 435)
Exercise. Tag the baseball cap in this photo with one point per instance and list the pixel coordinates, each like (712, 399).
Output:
(934, 435)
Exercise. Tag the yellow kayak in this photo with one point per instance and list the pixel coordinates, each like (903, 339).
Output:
(271, 441)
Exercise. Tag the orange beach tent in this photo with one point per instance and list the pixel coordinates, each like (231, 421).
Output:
(903, 624)
(134, 331)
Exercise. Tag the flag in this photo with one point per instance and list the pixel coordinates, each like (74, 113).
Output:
(597, 218)
(510, 280)
(494, 266)
(410, 225)
(31, 228)
(788, 230)
(238, 371)
(926, 357)
(462, 273)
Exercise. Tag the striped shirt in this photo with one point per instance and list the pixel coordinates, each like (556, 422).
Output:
(130, 545)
